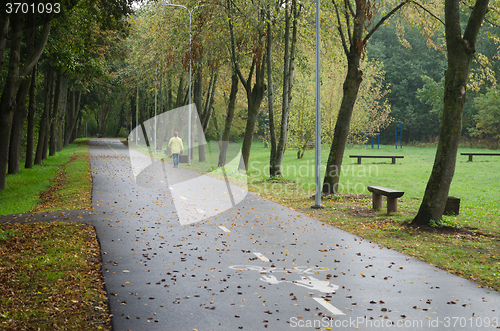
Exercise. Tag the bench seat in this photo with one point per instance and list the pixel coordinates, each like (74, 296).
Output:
(392, 198)
(480, 154)
(393, 157)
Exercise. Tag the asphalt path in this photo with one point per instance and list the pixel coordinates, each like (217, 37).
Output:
(257, 265)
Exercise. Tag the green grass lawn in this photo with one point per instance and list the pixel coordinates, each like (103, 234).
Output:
(22, 191)
(475, 183)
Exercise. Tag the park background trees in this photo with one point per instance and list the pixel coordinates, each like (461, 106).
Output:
(79, 36)
(390, 56)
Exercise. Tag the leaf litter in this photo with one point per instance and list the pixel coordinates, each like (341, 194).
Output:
(50, 278)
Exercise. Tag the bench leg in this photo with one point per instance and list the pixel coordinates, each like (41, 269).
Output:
(470, 158)
(359, 160)
(376, 201)
(393, 160)
(392, 205)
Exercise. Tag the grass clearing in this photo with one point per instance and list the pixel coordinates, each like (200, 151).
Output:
(23, 191)
(467, 245)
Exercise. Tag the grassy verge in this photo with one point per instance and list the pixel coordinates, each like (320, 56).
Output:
(50, 276)
(64, 177)
(467, 245)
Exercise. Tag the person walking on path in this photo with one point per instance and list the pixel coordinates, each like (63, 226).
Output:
(176, 148)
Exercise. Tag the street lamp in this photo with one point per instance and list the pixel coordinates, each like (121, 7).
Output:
(317, 195)
(156, 100)
(189, 116)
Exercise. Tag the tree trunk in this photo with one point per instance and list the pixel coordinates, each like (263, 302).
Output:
(254, 99)
(255, 93)
(209, 104)
(180, 92)
(229, 120)
(16, 134)
(198, 101)
(77, 128)
(55, 115)
(341, 133)
(288, 68)
(42, 131)
(8, 98)
(72, 118)
(460, 55)
(353, 46)
(28, 163)
(4, 30)
(62, 114)
(13, 77)
(350, 93)
(270, 94)
(20, 113)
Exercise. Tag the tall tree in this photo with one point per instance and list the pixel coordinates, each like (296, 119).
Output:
(19, 70)
(229, 119)
(20, 112)
(460, 50)
(28, 163)
(254, 86)
(290, 46)
(353, 23)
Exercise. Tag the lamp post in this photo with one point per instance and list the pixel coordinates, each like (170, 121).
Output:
(137, 108)
(156, 101)
(317, 195)
(189, 116)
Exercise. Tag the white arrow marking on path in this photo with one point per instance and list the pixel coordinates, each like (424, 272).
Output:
(328, 306)
(262, 257)
(224, 228)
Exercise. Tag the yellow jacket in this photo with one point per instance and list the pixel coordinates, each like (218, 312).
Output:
(175, 144)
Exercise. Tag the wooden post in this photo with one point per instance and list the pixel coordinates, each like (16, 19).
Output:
(392, 205)
(376, 201)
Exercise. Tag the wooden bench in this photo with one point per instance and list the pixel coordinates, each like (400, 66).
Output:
(393, 157)
(392, 198)
(483, 154)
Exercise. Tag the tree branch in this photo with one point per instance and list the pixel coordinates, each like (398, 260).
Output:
(383, 19)
(39, 47)
(475, 20)
(347, 20)
(348, 3)
(428, 12)
(233, 55)
(339, 27)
